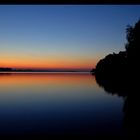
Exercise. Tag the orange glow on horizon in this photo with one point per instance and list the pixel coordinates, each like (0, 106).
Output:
(50, 64)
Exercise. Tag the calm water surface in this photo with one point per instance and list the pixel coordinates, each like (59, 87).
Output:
(57, 103)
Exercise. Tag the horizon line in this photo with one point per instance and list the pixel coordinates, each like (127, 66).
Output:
(78, 72)
(45, 69)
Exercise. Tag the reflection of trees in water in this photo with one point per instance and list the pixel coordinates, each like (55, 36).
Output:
(128, 89)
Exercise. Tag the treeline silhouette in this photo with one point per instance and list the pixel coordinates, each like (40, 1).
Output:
(6, 69)
(119, 74)
(123, 63)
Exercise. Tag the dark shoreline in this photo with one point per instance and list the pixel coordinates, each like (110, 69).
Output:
(52, 72)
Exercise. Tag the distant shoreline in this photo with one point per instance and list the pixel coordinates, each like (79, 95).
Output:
(14, 70)
(28, 72)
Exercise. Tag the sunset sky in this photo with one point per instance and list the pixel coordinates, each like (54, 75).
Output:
(62, 36)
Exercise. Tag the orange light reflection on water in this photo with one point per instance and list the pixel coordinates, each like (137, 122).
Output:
(49, 85)
(47, 79)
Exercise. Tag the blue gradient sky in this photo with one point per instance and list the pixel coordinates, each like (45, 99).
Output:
(67, 36)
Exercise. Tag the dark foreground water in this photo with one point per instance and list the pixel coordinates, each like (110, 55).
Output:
(58, 104)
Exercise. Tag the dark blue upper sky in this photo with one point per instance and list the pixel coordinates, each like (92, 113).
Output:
(70, 35)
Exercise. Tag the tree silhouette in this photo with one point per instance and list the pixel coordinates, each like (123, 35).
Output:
(123, 63)
(133, 36)
(133, 44)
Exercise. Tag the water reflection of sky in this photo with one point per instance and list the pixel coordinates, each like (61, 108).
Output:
(57, 103)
